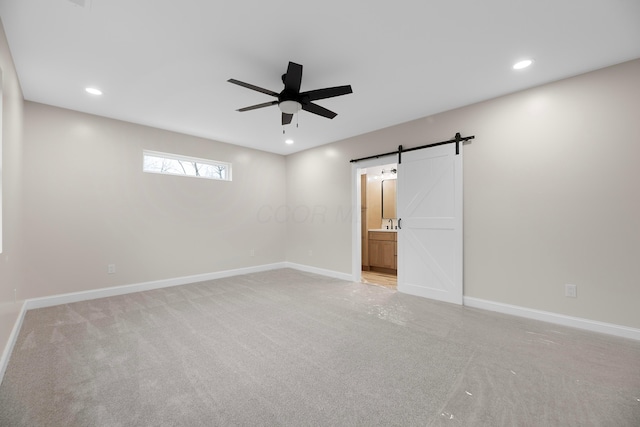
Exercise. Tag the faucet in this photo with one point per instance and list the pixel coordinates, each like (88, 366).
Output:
(390, 227)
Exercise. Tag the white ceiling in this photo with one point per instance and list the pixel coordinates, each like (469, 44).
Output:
(165, 63)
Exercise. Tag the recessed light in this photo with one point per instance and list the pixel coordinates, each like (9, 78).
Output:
(522, 64)
(93, 91)
(289, 141)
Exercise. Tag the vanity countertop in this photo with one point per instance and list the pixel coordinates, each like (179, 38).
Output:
(383, 229)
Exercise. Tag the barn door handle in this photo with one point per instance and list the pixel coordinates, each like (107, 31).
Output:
(399, 223)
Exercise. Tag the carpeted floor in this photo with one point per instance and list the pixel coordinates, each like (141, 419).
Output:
(286, 348)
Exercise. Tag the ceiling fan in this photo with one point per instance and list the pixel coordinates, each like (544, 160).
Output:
(291, 100)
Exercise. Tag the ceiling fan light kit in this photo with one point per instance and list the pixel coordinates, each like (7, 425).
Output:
(290, 107)
(291, 100)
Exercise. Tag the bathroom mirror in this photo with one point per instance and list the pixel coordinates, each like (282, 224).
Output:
(389, 198)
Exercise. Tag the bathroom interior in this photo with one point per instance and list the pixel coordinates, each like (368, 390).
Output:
(379, 225)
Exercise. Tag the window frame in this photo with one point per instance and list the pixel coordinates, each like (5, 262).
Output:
(190, 159)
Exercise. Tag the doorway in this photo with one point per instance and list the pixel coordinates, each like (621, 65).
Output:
(429, 238)
(378, 224)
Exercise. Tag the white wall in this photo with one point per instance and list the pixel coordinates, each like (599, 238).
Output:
(550, 190)
(88, 204)
(11, 258)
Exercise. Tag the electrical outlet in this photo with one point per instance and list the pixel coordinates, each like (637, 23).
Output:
(111, 269)
(570, 291)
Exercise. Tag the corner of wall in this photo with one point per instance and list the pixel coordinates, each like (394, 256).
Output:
(11, 258)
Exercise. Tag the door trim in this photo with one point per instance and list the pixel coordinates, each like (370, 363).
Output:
(356, 222)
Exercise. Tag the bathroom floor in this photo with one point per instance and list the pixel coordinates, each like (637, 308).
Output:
(381, 279)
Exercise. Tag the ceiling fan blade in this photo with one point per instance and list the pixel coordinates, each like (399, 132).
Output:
(250, 86)
(321, 111)
(286, 118)
(330, 92)
(254, 107)
(293, 78)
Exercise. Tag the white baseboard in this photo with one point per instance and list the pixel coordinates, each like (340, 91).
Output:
(13, 337)
(145, 286)
(558, 319)
(320, 271)
(176, 281)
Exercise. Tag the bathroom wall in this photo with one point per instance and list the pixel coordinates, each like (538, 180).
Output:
(375, 177)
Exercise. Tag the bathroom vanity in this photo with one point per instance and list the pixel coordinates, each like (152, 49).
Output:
(383, 250)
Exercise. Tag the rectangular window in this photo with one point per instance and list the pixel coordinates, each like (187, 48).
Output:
(175, 164)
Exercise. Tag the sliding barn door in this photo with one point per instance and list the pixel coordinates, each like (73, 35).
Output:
(430, 209)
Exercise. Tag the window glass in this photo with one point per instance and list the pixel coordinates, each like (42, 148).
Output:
(175, 164)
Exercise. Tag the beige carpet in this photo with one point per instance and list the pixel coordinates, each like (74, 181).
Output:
(295, 349)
